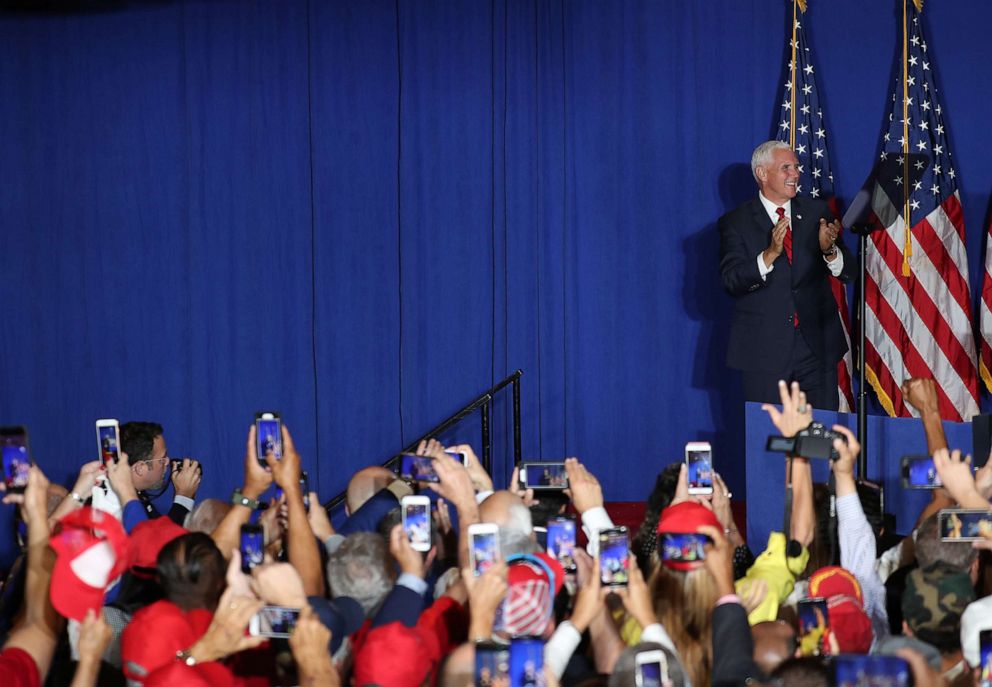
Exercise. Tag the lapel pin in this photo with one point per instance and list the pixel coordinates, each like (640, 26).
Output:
(799, 216)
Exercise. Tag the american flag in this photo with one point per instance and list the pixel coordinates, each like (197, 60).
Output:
(802, 126)
(918, 316)
(985, 315)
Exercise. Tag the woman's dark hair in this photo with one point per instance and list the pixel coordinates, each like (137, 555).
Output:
(645, 540)
(191, 571)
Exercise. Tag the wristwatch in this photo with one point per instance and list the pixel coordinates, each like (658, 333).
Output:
(239, 499)
(186, 657)
(830, 253)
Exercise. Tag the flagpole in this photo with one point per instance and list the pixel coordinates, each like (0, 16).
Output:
(907, 218)
(792, 80)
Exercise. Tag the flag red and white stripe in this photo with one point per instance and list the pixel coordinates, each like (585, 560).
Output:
(985, 314)
(918, 318)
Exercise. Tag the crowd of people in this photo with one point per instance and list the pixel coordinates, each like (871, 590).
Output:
(123, 595)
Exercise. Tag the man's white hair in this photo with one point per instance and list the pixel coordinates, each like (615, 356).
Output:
(762, 155)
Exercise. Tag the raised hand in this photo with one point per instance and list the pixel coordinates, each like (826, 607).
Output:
(796, 413)
(186, 477)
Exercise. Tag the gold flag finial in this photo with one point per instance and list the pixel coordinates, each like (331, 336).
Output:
(919, 5)
(802, 5)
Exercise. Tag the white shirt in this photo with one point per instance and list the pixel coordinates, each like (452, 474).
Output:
(835, 266)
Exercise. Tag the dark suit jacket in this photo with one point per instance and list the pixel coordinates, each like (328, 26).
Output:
(733, 647)
(761, 332)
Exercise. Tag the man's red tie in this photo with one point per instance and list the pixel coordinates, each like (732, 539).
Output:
(787, 244)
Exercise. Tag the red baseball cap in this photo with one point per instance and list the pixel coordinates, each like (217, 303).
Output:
(533, 581)
(850, 625)
(148, 538)
(213, 674)
(394, 655)
(834, 580)
(686, 518)
(91, 552)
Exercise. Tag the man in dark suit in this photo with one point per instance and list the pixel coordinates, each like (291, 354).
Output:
(777, 252)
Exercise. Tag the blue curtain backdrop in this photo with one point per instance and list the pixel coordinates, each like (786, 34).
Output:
(364, 213)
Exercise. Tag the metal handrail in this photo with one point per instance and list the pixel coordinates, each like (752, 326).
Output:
(481, 402)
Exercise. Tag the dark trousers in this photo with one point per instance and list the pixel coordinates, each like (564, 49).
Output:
(819, 381)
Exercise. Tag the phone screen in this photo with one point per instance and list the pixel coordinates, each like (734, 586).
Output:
(417, 468)
(919, 473)
(252, 547)
(614, 557)
(492, 664)
(652, 669)
(683, 548)
(813, 624)
(268, 436)
(964, 525)
(561, 542)
(417, 524)
(546, 476)
(16, 458)
(700, 470)
(852, 670)
(277, 621)
(109, 437)
(485, 551)
(526, 662)
(985, 658)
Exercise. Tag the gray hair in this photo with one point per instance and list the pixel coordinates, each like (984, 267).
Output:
(762, 155)
(517, 536)
(625, 669)
(362, 569)
(930, 549)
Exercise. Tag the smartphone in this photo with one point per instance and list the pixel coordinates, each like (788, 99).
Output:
(651, 669)
(416, 468)
(416, 512)
(561, 542)
(526, 662)
(985, 658)
(964, 525)
(878, 670)
(614, 557)
(918, 472)
(699, 467)
(483, 543)
(108, 440)
(273, 621)
(546, 476)
(459, 456)
(683, 548)
(268, 436)
(814, 621)
(492, 664)
(541, 535)
(252, 547)
(305, 488)
(16, 457)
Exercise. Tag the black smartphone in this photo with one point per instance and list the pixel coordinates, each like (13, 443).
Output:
(526, 662)
(252, 547)
(918, 472)
(543, 476)
(268, 436)
(683, 548)
(16, 454)
(492, 664)
(614, 557)
(417, 468)
(985, 658)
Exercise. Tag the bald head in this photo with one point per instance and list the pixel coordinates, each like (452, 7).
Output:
(774, 642)
(364, 484)
(507, 510)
